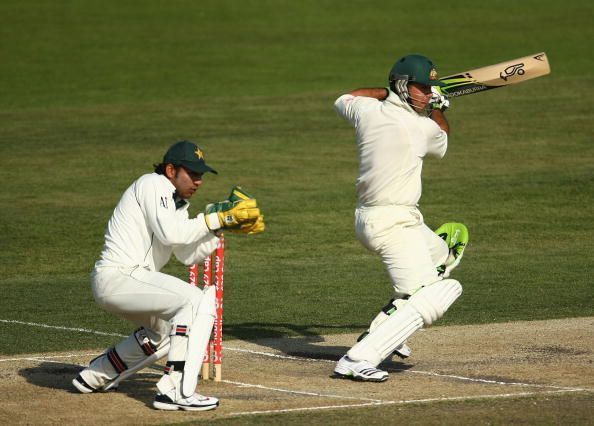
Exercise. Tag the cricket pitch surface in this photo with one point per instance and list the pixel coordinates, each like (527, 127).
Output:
(278, 376)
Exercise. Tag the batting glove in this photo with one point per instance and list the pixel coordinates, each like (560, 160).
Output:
(438, 101)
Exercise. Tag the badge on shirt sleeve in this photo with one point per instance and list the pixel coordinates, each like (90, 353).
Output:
(164, 202)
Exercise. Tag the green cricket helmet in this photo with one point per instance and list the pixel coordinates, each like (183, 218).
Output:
(414, 69)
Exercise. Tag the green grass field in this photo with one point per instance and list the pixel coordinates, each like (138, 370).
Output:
(92, 93)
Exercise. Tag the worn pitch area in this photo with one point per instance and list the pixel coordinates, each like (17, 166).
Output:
(287, 375)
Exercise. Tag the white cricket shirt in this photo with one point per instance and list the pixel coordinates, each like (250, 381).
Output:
(146, 228)
(392, 140)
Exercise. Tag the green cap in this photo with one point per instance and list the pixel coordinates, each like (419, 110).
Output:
(188, 155)
(415, 69)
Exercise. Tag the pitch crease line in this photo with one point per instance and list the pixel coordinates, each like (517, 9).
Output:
(402, 402)
(326, 407)
(47, 357)
(494, 382)
(250, 385)
(58, 327)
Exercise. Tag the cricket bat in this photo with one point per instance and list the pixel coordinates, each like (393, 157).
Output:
(494, 76)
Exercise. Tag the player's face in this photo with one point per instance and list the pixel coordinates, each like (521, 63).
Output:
(186, 182)
(419, 96)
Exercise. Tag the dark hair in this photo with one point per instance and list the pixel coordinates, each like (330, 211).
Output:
(160, 168)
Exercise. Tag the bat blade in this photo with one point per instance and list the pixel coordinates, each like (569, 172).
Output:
(494, 76)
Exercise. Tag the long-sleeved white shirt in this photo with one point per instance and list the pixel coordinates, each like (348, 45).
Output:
(146, 228)
(392, 141)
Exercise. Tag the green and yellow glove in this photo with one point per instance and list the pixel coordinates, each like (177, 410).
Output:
(251, 227)
(237, 193)
(239, 213)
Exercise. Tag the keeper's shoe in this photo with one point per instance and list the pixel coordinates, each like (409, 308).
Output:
(456, 237)
(196, 402)
(83, 387)
(359, 370)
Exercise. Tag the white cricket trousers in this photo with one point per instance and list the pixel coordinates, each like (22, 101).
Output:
(408, 248)
(147, 298)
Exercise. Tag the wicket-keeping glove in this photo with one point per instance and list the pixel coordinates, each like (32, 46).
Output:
(240, 212)
(438, 101)
(251, 227)
(237, 193)
(227, 215)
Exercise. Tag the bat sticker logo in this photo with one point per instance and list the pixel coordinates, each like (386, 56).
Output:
(540, 57)
(512, 70)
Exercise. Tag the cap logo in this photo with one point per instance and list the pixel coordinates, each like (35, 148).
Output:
(199, 153)
(433, 74)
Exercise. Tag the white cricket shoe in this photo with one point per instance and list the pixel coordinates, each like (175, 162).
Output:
(196, 402)
(359, 370)
(82, 386)
(403, 351)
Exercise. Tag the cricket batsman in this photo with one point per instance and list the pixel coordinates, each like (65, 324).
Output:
(396, 128)
(149, 224)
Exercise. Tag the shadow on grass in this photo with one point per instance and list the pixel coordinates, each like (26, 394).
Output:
(302, 341)
(59, 376)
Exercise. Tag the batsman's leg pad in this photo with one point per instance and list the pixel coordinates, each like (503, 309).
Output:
(423, 308)
(383, 315)
(432, 301)
(386, 311)
(390, 334)
(188, 344)
(403, 350)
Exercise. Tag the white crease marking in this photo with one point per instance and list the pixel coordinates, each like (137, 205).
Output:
(402, 402)
(250, 385)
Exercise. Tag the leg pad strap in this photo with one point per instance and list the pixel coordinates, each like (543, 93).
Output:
(116, 361)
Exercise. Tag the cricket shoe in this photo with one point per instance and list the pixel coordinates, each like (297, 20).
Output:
(83, 387)
(456, 237)
(196, 402)
(359, 370)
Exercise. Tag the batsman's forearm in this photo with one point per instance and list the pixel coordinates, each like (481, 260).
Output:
(439, 117)
(379, 93)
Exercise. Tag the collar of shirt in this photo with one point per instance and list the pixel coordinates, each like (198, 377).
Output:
(179, 201)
